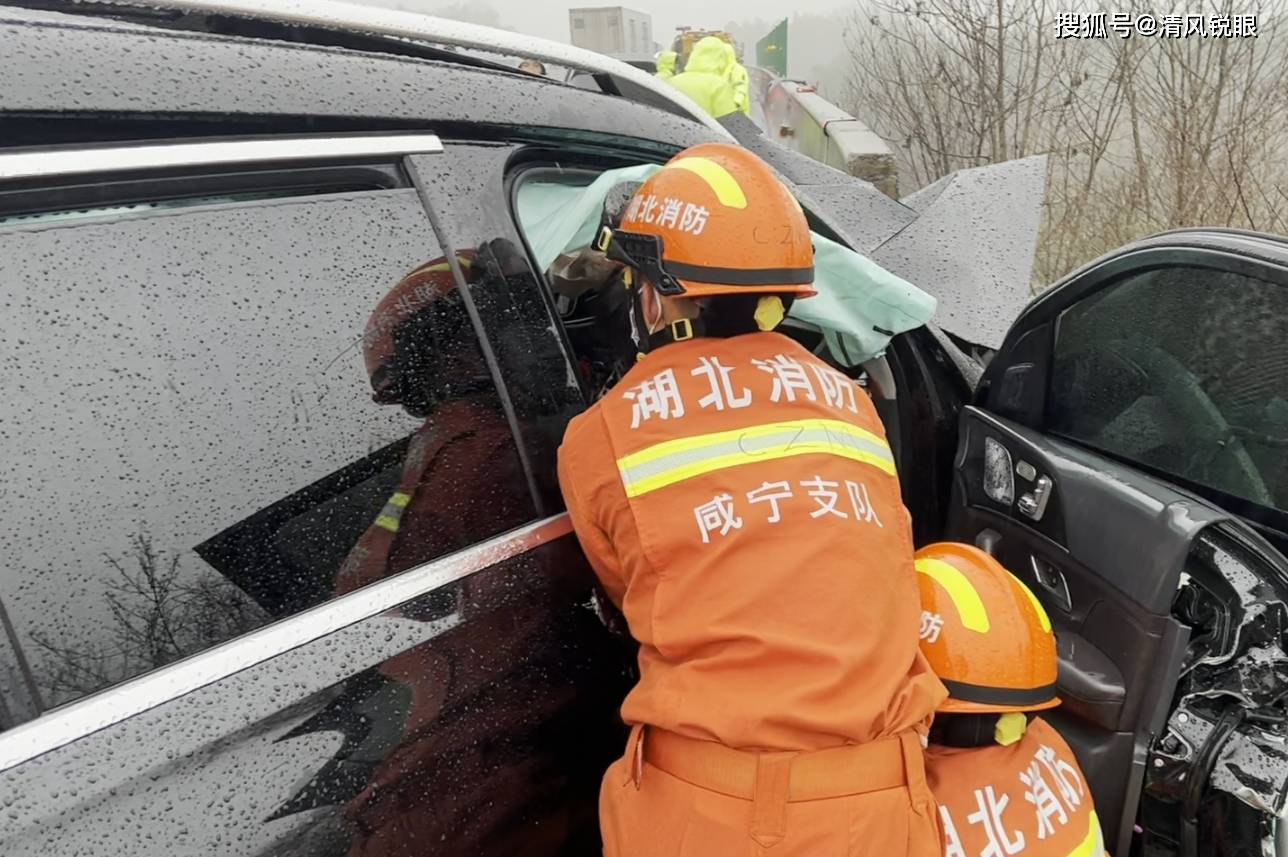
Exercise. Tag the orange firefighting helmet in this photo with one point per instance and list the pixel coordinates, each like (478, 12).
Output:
(984, 633)
(716, 221)
(413, 296)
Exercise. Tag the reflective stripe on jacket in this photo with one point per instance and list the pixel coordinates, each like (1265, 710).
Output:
(738, 500)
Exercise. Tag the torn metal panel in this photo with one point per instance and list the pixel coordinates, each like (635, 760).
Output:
(862, 215)
(972, 246)
(920, 200)
(969, 239)
(869, 217)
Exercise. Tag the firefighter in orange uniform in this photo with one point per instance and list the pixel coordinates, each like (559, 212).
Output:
(421, 354)
(738, 500)
(1006, 785)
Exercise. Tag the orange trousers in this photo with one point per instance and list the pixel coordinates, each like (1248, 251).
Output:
(672, 796)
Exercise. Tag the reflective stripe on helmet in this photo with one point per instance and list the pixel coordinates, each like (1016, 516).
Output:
(721, 182)
(967, 601)
(646, 253)
(1043, 618)
(741, 276)
(674, 461)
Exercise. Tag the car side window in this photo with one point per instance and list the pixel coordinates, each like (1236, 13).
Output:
(1183, 370)
(216, 415)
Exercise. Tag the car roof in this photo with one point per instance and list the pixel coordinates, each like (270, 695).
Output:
(368, 19)
(72, 59)
(1241, 242)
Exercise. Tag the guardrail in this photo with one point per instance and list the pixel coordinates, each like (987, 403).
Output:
(799, 118)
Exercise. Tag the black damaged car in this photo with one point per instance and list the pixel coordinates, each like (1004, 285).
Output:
(248, 610)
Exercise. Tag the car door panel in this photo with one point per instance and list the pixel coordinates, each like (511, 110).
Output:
(1117, 542)
(245, 608)
(1147, 389)
(1091, 684)
(408, 725)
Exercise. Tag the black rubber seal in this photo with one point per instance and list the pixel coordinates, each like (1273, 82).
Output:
(741, 276)
(1017, 698)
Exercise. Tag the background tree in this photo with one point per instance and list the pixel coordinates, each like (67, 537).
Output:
(1144, 133)
(159, 614)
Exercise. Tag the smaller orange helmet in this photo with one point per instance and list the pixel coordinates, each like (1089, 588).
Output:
(401, 337)
(716, 221)
(984, 633)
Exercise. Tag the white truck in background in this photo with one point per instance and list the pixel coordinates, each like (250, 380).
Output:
(619, 32)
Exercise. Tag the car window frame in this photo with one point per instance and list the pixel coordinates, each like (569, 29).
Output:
(918, 360)
(1029, 349)
(151, 164)
(66, 724)
(478, 201)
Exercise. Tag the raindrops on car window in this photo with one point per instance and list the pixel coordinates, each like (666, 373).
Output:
(1183, 370)
(194, 443)
(471, 201)
(230, 410)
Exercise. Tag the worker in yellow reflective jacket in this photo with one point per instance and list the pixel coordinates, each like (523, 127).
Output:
(666, 64)
(705, 78)
(737, 73)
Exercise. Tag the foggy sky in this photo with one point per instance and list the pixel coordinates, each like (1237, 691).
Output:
(549, 18)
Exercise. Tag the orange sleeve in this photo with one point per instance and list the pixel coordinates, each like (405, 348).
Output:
(579, 489)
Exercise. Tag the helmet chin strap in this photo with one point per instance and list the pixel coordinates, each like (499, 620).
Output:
(647, 339)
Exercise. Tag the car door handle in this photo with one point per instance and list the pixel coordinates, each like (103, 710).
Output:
(1052, 580)
(1033, 504)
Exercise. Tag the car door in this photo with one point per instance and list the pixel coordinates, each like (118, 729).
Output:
(244, 608)
(1124, 456)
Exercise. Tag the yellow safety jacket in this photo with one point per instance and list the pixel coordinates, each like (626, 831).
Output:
(739, 80)
(705, 78)
(666, 65)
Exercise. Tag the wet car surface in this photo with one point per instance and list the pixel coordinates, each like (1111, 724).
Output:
(225, 633)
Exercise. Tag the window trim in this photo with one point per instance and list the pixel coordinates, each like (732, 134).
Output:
(447, 241)
(99, 195)
(132, 697)
(45, 163)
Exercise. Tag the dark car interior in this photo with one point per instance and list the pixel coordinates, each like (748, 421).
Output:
(1169, 403)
